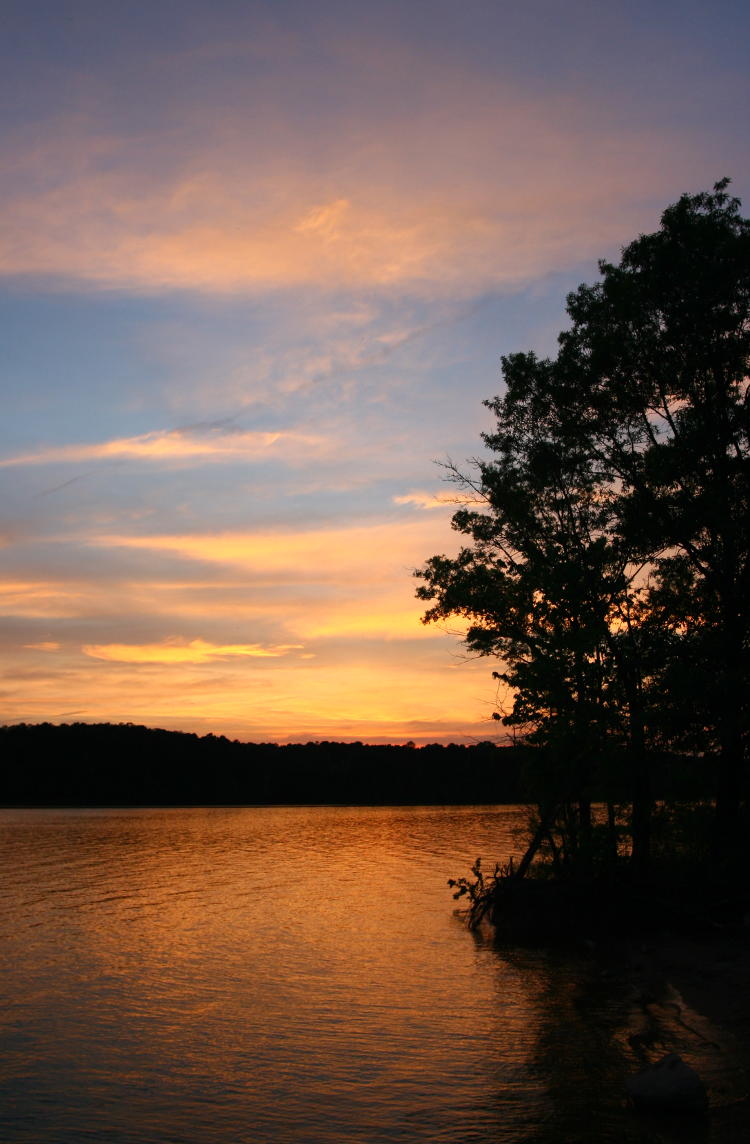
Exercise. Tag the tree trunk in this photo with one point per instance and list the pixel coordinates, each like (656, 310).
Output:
(732, 699)
(546, 819)
(640, 856)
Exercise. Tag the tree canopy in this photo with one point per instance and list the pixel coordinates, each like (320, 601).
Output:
(607, 562)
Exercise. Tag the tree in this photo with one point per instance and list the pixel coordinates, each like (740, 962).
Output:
(658, 355)
(611, 535)
(550, 589)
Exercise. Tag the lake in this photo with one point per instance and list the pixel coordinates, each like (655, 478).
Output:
(197, 976)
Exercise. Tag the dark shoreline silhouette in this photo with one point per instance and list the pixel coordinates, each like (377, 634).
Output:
(124, 764)
(104, 764)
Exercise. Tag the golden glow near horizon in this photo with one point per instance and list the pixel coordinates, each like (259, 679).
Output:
(258, 271)
(345, 663)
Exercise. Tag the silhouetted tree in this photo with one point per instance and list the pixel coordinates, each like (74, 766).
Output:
(656, 363)
(612, 539)
(551, 589)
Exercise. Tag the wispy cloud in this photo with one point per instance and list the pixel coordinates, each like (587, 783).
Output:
(420, 499)
(184, 651)
(445, 191)
(42, 599)
(180, 445)
(461, 242)
(325, 227)
(376, 549)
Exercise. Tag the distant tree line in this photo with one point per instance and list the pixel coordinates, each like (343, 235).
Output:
(82, 764)
(104, 764)
(607, 562)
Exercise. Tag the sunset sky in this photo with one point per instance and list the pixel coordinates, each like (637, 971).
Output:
(259, 263)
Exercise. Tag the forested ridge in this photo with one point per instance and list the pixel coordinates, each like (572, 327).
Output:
(81, 764)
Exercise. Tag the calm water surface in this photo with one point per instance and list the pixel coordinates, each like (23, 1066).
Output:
(197, 976)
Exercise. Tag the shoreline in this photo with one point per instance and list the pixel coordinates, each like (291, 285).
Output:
(691, 995)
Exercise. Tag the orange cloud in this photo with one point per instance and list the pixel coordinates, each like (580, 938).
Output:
(416, 699)
(177, 651)
(325, 220)
(360, 556)
(178, 445)
(373, 605)
(365, 618)
(475, 185)
(41, 598)
(45, 645)
(428, 500)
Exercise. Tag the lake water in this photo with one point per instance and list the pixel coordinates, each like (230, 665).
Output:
(290, 975)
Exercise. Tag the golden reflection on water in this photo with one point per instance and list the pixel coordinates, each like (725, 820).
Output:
(280, 974)
(288, 975)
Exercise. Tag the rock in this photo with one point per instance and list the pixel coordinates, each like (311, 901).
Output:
(668, 1086)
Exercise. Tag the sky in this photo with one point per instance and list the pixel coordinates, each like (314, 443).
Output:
(258, 264)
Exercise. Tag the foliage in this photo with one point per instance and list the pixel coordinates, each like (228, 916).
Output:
(82, 764)
(481, 890)
(608, 555)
